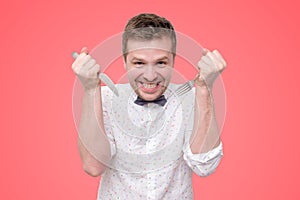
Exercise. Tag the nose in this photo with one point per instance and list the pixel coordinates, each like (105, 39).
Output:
(150, 74)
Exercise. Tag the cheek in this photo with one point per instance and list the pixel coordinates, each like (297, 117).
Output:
(165, 72)
(134, 73)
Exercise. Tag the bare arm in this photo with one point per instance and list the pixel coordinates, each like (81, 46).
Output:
(206, 134)
(205, 131)
(93, 144)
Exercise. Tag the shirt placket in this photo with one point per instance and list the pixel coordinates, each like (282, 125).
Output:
(150, 118)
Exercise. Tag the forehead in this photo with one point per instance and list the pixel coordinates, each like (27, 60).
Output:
(163, 44)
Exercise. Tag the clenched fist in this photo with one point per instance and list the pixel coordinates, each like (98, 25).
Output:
(87, 70)
(210, 67)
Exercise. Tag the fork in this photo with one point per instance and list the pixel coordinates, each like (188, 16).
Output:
(186, 87)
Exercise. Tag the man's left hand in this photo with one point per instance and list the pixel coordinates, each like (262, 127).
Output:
(210, 67)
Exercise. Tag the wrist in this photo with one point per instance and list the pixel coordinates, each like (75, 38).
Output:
(203, 88)
(200, 81)
(91, 91)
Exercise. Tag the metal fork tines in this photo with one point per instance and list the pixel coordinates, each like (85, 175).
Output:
(186, 87)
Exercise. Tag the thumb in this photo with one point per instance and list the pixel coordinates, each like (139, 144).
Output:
(84, 50)
(204, 51)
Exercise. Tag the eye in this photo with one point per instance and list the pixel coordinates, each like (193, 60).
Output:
(138, 63)
(161, 63)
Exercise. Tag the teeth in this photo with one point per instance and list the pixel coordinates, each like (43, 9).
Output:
(149, 85)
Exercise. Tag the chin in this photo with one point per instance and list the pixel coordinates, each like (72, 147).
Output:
(148, 93)
(149, 96)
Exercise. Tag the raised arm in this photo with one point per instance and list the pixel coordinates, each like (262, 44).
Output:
(93, 145)
(206, 135)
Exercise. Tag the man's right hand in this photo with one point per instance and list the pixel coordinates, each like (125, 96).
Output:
(87, 70)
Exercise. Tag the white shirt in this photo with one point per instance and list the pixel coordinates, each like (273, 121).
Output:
(151, 155)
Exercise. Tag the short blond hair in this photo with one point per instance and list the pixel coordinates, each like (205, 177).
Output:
(148, 26)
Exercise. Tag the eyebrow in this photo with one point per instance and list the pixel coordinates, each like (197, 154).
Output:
(141, 59)
(136, 59)
(162, 58)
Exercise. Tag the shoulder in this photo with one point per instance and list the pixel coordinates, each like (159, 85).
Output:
(107, 94)
(186, 100)
(173, 87)
(105, 90)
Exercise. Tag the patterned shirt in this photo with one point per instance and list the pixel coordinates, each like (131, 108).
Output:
(151, 155)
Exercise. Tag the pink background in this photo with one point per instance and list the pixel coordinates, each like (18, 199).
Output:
(259, 39)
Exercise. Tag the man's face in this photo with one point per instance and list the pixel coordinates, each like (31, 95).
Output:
(149, 66)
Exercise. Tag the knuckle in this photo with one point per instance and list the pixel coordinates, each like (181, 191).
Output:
(88, 57)
(82, 71)
(91, 74)
(216, 51)
(209, 53)
(93, 61)
(200, 65)
(97, 66)
(85, 74)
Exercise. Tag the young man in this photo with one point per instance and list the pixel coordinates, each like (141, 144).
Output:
(146, 142)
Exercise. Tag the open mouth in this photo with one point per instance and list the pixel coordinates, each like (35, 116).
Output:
(149, 87)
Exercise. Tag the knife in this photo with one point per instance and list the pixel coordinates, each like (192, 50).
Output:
(103, 77)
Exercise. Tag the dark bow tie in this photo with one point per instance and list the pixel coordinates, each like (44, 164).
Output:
(160, 101)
